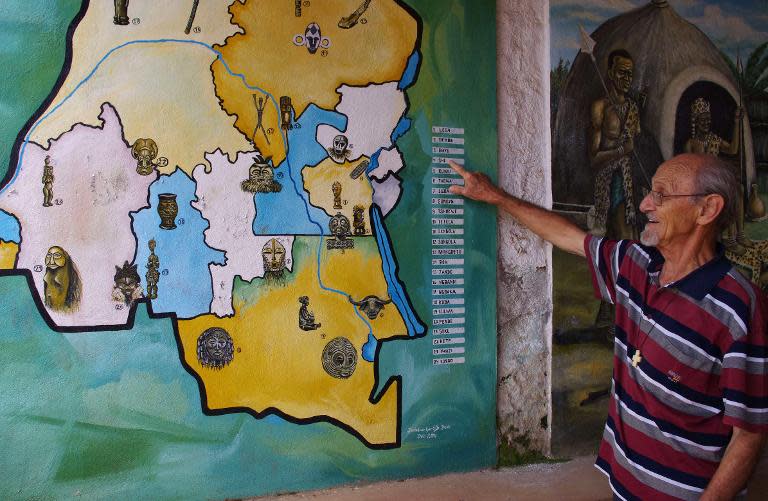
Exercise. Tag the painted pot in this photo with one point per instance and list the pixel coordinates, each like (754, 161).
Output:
(167, 209)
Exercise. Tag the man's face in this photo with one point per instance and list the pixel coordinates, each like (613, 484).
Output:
(621, 73)
(672, 222)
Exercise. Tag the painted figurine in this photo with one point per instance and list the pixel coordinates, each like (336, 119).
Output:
(48, 183)
(153, 271)
(306, 317)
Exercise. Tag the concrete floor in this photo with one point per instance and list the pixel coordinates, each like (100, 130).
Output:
(574, 480)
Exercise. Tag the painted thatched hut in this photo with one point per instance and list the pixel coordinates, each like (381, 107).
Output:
(675, 62)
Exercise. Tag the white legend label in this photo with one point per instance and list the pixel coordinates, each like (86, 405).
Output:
(447, 130)
(444, 160)
(458, 350)
(447, 331)
(447, 231)
(447, 301)
(442, 211)
(448, 311)
(442, 341)
(447, 262)
(447, 361)
(447, 140)
(447, 201)
(442, 150)
(447, 252)
(442, 272)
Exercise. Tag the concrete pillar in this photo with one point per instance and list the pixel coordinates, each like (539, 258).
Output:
(525, 262)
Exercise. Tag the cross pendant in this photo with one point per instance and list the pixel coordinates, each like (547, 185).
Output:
(636, 358)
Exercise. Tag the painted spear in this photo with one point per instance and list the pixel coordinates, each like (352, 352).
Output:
(742, 150)
(588, 47)
(191, 16)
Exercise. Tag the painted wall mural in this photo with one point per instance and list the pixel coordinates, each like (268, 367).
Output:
(229, 261)
(633, 84)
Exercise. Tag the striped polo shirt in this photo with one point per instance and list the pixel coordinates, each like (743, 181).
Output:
(703, 369)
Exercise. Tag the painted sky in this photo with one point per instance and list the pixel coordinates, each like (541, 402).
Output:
(730, 24)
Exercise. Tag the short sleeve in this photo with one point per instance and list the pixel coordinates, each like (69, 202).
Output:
(604, 258)
(744, 377)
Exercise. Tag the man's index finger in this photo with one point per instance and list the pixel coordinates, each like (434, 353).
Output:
(456, 167)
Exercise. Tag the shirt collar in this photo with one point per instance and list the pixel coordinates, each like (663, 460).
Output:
(700, 281)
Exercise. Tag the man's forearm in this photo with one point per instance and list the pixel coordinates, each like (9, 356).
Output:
(737, 465)
(548, 225)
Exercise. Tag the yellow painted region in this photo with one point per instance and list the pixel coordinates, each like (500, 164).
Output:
(374, 52)
(278, 365)
(318, 181)
(8, 252)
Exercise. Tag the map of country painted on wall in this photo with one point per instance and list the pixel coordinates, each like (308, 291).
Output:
(235, 179)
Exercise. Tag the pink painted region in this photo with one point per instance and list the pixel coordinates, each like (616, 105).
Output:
(95, 188)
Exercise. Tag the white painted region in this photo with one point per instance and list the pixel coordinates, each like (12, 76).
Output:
(163, 91)
(372, 113)
(386, 194)
(96, 33)
(231, 212)
(390, 160)
(95, 187)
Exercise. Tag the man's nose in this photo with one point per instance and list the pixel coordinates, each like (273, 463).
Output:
(647, 205)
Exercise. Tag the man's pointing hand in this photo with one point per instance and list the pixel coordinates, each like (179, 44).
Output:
(477, 186)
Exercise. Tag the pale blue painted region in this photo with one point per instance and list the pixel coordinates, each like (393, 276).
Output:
(402, 127)
(409, 75)
(10, 230)
(374, 161)
(369, 348)
(186, 288)
(289, 211)
(396, 292)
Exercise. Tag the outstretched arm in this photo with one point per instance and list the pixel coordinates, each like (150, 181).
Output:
(550, 226)
(740, 458)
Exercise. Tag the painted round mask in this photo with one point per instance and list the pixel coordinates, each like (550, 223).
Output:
(215, 348)
(339, 358)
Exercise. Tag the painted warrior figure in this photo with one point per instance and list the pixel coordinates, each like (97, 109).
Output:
(153, 271)
(615, 123)
(61, 282)
(704, 141)
(47, 183)
(306, 317)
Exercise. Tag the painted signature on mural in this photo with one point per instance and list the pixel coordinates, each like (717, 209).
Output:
(428, 432)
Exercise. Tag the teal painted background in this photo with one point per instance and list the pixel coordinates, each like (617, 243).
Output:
(114, 414)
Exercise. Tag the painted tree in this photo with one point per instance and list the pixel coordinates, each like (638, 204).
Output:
(753, 77)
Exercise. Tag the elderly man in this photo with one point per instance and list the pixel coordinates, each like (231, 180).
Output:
(689, 407)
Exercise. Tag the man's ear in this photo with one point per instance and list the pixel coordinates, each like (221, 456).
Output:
(710, 209)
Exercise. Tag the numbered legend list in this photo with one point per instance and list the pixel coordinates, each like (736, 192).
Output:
(448, 308)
